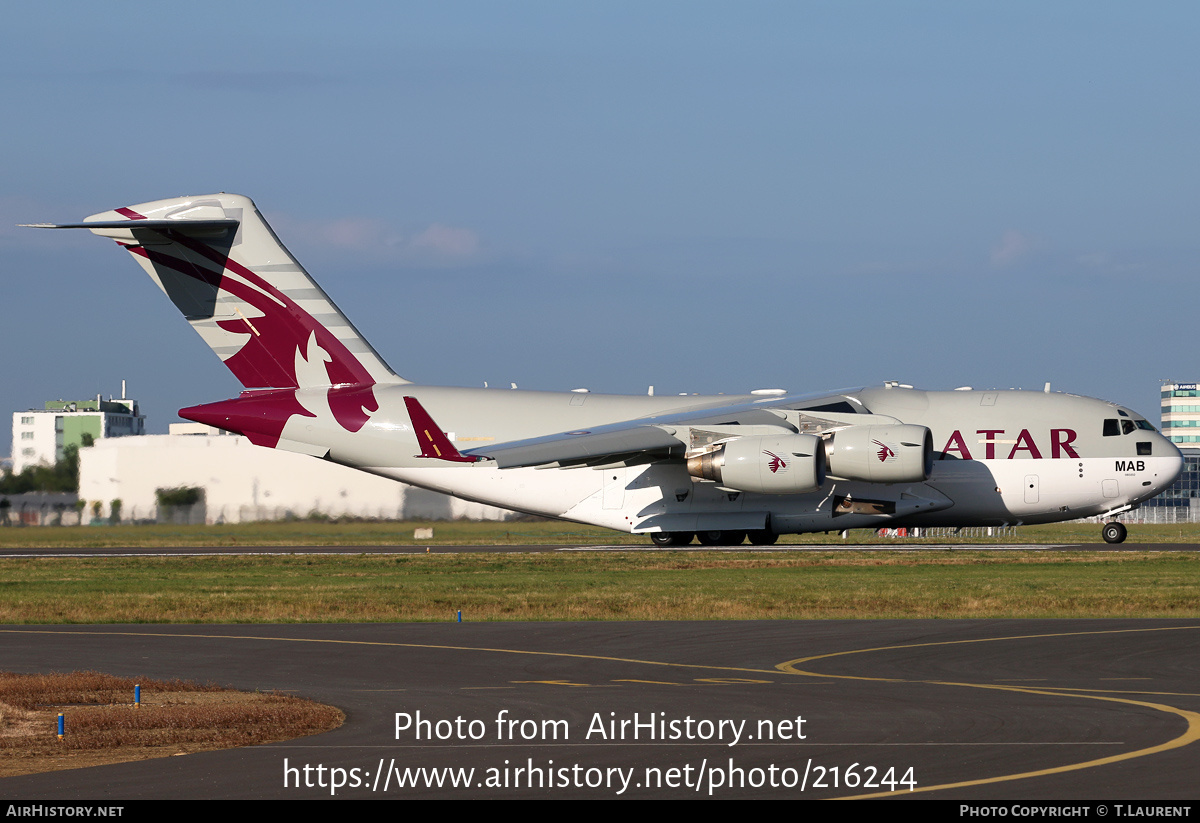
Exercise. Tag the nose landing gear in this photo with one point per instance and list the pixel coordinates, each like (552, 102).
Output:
(1114, 532)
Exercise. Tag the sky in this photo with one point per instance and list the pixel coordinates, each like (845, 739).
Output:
(703, 197)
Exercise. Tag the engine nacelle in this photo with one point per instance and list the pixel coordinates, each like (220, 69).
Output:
(901, 453)
(775, 464)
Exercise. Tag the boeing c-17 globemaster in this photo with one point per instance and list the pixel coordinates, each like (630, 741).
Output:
(717, 468)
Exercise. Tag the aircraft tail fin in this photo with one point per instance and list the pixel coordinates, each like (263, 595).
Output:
(222, 266)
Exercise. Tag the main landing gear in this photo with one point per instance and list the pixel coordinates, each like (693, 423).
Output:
(758, 537)
(718, 538)
(1114, 532)
(666, 539)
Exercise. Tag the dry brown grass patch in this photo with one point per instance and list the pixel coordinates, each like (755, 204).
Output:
(102, 726)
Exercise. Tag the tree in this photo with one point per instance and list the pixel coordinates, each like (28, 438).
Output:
(63, 476)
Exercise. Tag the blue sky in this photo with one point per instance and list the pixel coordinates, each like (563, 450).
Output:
(701, 196)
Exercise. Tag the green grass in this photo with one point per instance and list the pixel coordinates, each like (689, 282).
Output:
(311, 533)
(643, 585)
(383, 533)
(600, 586)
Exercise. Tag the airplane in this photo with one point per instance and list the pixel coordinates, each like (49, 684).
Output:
(719, 469)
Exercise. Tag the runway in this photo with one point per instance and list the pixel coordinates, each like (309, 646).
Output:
(1012, 709)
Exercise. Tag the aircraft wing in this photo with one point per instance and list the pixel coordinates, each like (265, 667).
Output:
(647, 438)
(604, 443)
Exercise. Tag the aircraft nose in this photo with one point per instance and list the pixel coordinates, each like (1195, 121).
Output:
(1172, 463)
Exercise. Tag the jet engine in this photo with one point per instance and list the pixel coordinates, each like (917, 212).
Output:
(900, 453)
(774, 464)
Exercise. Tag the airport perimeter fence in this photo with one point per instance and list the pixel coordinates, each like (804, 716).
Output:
(996, 532)
(1155, 514)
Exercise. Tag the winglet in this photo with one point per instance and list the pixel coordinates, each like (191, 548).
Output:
(432, 439)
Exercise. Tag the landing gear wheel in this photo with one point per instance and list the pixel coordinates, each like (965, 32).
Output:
(671, 538)
(762, 537)
(717, 538)
(1114, 532)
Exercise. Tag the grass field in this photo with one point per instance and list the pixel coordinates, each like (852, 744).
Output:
(967, 581)
(537, 532)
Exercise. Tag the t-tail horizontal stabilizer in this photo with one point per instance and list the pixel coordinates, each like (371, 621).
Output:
(223, 268)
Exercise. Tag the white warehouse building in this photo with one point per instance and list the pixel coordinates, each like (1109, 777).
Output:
(43, 435)
(241, 482)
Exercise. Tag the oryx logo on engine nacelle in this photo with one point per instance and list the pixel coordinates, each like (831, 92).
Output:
(884, 452)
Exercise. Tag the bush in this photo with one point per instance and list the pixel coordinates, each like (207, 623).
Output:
(178, 496)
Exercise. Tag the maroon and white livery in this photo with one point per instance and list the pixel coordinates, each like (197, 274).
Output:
(720, 467)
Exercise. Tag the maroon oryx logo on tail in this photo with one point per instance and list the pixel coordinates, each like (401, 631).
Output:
(884, 452)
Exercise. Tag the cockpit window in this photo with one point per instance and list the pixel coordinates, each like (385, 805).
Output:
(1114, 427)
